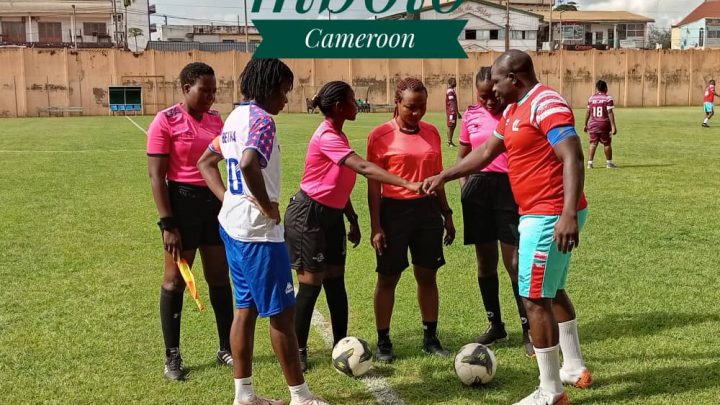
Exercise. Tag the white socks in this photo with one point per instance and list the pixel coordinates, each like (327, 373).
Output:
(244, 391)
(300, 393)
(705, 121)
(573, 363)
(549, 364)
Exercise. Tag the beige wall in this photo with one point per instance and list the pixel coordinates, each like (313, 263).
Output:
(35, 78)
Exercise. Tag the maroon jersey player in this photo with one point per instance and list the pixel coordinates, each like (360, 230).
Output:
(451, 110)
(600, 123)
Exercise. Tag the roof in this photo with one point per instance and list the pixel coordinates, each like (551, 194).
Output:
(594, 16)
(402, 15)
(707, 9)
(35, 7)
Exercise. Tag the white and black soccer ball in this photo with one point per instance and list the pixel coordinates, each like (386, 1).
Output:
(352, 356)
(475, 364)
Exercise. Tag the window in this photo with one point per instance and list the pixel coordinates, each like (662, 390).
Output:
(635, 30)
(228, 40)
(470, 34)
(573, 32)
(701, 41)
(517, 34)
(494, 34)
(483, 34)
(599, 37)
(50, 32)
(94, 29)
(713, 32)
(13, 31)
(530, 34)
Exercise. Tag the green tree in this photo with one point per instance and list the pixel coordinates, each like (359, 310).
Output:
(567, 6)
(661, 36)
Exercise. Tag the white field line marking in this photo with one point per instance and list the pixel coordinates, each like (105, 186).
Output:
(378, 386)
(136, 124)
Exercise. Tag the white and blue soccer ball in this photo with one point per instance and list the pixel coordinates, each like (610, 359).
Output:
(475, 364)
(352, 356)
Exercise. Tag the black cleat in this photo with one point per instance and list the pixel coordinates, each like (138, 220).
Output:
(224, 358)
(303, 359)
(433, 346)
(527, 344)
(493, 333)
(384, 352)
(705, 125)
(173, 365)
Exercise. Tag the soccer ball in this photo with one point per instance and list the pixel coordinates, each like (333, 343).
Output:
(475, 364)
(352, 357)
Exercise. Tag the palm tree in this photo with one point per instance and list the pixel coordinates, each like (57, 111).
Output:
(135, 32)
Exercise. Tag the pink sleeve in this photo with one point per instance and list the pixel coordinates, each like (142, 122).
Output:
(334, 147)
(158, 136)
(464, 133)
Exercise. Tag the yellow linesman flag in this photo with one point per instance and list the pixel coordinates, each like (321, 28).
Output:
(190, 282)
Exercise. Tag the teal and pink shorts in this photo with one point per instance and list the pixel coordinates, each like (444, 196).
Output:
(542, 269)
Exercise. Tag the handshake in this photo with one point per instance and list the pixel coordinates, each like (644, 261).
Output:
(428, 186)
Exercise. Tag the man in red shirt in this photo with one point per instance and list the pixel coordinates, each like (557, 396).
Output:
(546, 170)
(709, 102)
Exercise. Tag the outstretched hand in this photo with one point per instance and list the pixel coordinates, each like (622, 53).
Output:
(415, 187)
(431, 184)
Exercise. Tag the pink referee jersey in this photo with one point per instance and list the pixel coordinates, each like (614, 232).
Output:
(177, 135)
(326, 178)
(478, 125)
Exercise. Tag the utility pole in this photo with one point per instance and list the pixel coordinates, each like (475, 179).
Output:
(550, 43)
(114, 16)
(507, 25)
(247, 49)
(74, 34)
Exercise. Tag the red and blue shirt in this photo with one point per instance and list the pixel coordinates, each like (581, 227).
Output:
(529, 129)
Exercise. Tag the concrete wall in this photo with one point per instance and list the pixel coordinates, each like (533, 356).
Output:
(36, 78)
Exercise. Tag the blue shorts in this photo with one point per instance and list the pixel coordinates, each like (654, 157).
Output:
(261, 276)
(542, 268)
(708, 107)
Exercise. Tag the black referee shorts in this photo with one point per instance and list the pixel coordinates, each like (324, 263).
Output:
(416, 225)
(314, 233)
(489, 209)
(196, 209)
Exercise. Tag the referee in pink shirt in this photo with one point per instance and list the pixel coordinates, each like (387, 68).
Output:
(314, 226)
(490, 214)
(188, 210)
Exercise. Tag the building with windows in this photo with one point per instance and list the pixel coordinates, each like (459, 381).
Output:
(208, 33)
(700, 28)
(485, 29)
(82, 24)
(594, 29)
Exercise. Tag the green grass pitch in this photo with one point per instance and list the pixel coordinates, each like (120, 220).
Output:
(80, 269)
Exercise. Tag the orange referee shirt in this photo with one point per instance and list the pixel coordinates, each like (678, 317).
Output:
(413, 157)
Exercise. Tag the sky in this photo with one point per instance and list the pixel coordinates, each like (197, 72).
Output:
(665, 12)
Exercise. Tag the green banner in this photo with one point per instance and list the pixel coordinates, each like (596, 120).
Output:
(359, 39)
